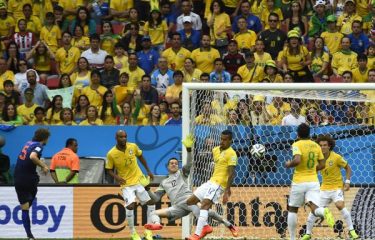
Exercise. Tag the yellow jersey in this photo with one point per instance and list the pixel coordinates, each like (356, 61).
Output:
(6, 24)
(97, 122)
(173, 91)
(157, 34)
(294, 61)
(95, 96)
(83, 42)
(277, 114)
(362, 7)
(34, 25)
(122, 6)
(122, 62)
(7, 75)
(51, 36)
(317, 62)
(71, 5)
(222, 159)
(67, 59)
(331, 174)
(108, 44)
(121, 93)
(246, 39)
(360, 77)
(204, 60)
(310, 153)
(27, 113)
(135, 77)
(262, 59)
(125, 163)
(213, 119)
(108, 118)
(344, 62)
(221, 24)
(15, 8)
(332, 40)
(246, 74)
(176, 59)
(344, 22)
(371, 62)
(55, 119)
(194, 77)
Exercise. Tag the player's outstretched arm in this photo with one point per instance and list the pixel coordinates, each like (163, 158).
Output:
(348, 173)
(188, 143)
(293, 163)
(35, 159)
(144, 163)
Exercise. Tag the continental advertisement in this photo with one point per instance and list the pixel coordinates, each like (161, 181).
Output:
(85, 212)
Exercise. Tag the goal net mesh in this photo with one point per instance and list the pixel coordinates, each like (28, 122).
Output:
(258, 205)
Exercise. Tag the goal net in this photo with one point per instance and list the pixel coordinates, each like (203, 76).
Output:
(267, 114)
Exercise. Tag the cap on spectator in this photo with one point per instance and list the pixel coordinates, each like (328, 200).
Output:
(3, 5)
(319, 2)
(346, 1)
(146, 38)
(258, 98)
(331, 18)
(186, 19)
(293, 34)
(270, 63)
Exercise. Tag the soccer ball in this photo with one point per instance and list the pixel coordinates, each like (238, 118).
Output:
(257, 150)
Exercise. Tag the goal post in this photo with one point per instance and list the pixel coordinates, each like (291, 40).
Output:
(258, 203)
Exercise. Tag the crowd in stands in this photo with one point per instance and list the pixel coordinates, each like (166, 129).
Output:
(123, 62)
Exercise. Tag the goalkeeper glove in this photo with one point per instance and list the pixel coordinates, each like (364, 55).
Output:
(188, 141)
(144, 180)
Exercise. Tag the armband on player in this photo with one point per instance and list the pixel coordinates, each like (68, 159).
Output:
(347, 181)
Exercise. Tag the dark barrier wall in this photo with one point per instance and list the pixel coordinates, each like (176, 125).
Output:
(158, 143)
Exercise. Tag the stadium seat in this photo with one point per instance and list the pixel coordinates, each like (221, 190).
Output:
(98, 28)
(53, 82)
(117, 28)
(335, 79)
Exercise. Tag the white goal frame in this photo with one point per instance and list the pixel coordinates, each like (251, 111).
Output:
(187, 87)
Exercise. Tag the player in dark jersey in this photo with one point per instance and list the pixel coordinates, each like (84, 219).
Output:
(26, 178)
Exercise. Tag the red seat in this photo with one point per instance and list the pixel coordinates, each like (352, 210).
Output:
(98, 28)
(118, 28)
(335, 79)
(53, 82)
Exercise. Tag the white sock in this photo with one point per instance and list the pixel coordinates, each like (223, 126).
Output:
(218, 218)
(150, 209)
(154, 218)
(292, 225)
(202, 221)
(348, 218)
(130, 220)
(310, 223)
(319, 212)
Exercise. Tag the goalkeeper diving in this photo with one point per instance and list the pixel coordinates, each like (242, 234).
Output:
(177, 190)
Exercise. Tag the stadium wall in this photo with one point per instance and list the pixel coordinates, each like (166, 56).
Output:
(98, 212)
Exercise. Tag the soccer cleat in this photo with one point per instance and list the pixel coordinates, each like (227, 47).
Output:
(234, 230)
(353, 234)
(329, 217)
(148, 235)
(193, 237)
(135, 236)
(306, 237)
(206, 230)
(153, 226)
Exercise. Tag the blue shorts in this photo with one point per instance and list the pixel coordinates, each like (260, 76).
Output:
(26, 191)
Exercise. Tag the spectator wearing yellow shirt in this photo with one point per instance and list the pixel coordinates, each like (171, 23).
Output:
(119, 9)
(205, 55)
(7, 26)
(360, 74)
(109, 111)
(154, 117)
(345, 59)
(320, 59)
(5, 74)
(250, 72)
(296, 58)
(208, 116)
(39, 116)
(135, 72)
(371, 56)
(173, 92)
(245, 38)
(92, 117)
(41, 56)
(34, 24)
(219, 23)
(270, 72)
(79, 40)
(108, 39)
(67, 117)
(26, 110)
(277, 110)
(70, 8)
(266, 12)
(157, 29)
(95, 91)
(261, 57)
(50, 33)
(67, 56)
(41, 8)
(53, 113)
(15, 8)
(362, 7)
(176, 54)
(123, 92)
(121, 60)
(345, 21)
(191, 73)
(332, 37)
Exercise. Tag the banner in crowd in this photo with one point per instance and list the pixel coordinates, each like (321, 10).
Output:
(66, 93)
(88, 212)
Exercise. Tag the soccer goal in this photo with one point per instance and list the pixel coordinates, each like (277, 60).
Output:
(267, 115)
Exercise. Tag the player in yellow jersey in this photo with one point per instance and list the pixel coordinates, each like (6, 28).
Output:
(123, 158)
(225, 159)
(332, 185)
(307, 160)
